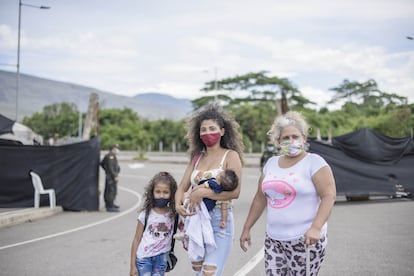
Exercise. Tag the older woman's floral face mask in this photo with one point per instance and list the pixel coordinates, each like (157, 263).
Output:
(291, 148)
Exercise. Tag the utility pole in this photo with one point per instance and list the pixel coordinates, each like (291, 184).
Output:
(18, 52)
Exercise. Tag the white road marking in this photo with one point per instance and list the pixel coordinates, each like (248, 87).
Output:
(132, 209)
(251, 264)
(136, 165)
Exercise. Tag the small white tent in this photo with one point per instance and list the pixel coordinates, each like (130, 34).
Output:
(20, 133)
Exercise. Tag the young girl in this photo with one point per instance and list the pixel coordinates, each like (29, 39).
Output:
(153, 235)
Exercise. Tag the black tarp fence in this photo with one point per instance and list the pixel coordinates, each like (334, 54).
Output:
(72, 170)
(363, 160)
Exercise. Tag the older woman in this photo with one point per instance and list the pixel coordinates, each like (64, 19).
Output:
(297, 189)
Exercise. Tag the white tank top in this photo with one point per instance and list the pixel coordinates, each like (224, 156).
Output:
(197, 175)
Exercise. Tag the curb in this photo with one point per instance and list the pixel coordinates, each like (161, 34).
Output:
(18, 216)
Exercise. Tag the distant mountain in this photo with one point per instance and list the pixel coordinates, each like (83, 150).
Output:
(35, 93)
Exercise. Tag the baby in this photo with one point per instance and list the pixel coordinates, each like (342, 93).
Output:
(226, 180)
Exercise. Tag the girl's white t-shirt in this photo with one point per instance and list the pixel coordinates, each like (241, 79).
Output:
(157, 235)
(292, 200)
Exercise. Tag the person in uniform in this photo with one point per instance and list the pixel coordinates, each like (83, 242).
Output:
(111, 167)
(269, 152)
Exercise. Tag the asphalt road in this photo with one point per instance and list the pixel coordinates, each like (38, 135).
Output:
(365, 238)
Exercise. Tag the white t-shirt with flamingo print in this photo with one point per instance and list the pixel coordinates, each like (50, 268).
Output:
(292, 200)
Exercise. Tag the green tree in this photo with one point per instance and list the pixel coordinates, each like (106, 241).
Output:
(367, 106)
(366, 96)
(252, 88)
(252, 99)
(169, 133)
(396, 123)
(123, 127)
(62, 118)
(255, 122)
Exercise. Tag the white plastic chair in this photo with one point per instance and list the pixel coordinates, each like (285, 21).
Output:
(39, 190)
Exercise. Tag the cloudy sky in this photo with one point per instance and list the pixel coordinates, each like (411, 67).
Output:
(174, 46)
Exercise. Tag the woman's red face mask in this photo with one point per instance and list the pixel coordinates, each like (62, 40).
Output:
(210, 139)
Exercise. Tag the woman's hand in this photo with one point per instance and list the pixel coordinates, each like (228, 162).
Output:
(182, 211)
(312, 236)
(245, 237)
(133, 271)
(196, 196)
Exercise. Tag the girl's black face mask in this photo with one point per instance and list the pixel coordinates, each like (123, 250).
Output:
(161, 202)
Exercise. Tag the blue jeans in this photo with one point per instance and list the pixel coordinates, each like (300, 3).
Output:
(224, 239)
(151, 265)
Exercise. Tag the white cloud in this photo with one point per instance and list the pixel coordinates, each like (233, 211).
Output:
(319, 97)
(7, 38)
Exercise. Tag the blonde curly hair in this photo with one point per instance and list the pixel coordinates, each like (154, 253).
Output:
(291, 118)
